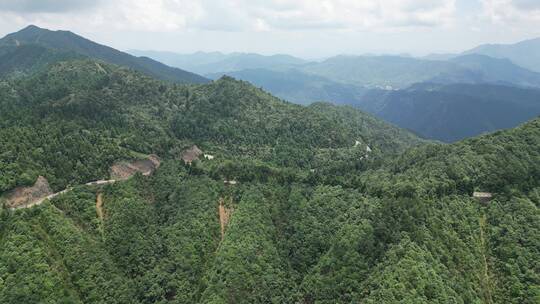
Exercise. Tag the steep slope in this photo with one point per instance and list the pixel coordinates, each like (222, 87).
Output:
(475, 95)
(18, 61)
(314, 217)
(499, 162)
(440, 245)
(65, 41)
(407, 231)
(213, 63)
(125, 111)
(453, 112)
(525, 53)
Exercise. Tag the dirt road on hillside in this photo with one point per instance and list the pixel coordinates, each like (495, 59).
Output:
(49, 197)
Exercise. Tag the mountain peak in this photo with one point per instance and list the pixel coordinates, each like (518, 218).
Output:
(27, 34)
(32, 27)
(69, 42)
(31, 30)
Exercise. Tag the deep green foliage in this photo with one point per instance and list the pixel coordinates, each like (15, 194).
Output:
(313, 218)
(442, 100)
(26, 59)
(73, 120)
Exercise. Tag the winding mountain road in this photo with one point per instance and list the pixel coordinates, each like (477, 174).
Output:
(51, 196)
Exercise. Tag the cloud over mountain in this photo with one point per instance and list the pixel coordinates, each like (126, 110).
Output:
(46, 6)
(247, 15)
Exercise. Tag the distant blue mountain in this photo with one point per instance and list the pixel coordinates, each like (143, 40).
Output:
(215, 62)
(525, 53)
(453, 112)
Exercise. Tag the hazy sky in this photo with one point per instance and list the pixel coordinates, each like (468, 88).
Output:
(308, 28)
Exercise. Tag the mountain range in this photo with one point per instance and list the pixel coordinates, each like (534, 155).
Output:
(38, 43)
(253, 199)
(383, 85)
(453, 112)
(389, 87)
(216, 62)
(387, 72)
(525, 53)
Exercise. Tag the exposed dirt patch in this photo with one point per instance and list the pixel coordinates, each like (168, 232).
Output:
(124, 170)
(99, 206)
(192, 154)
(100, 68)
(224, 214)
(26, 197)
(23, 196)
(485, 277)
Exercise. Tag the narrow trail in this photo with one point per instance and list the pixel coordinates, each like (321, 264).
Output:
(486, 282)
(49, 197)
(99, 206)
(100, 214)
(224, 216)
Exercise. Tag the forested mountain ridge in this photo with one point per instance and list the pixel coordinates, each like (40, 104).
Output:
(116, 110)
(453, 112)
(405, 91)
(22, 60)
(70, 43)
(500, 162)
(299, 87)
(329, 204)
(444, 109)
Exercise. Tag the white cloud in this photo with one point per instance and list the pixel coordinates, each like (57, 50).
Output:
(515, 12)
(527, 4)
(236, 15)
(48, 6)
(337, 14)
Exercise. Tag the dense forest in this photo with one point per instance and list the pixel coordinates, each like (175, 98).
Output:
(328, 204)
(453, 112)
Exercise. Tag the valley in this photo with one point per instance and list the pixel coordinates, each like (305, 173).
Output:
(434, 98)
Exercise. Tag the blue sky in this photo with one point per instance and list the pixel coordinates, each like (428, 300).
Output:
(307, 28)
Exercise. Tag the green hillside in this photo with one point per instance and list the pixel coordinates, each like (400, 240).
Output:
(50, 116)
(26, 59)
(442, 111)
(330, 205)
(72, 44)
